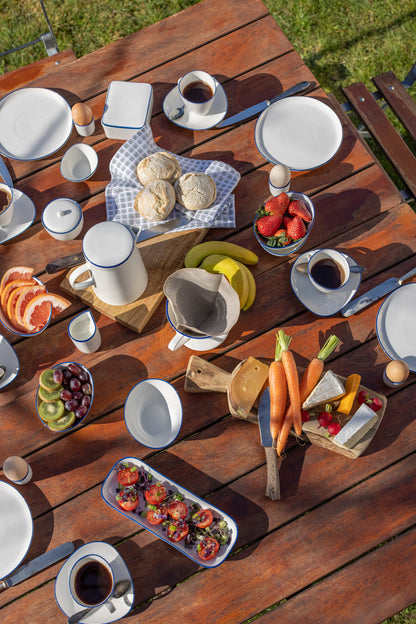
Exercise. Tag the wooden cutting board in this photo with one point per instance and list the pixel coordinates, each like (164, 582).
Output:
(162, 255)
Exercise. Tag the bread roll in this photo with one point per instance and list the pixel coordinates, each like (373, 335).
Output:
(156, 200)
(158, 166)
(196, 191)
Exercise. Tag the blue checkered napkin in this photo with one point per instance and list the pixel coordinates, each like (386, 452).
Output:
(124, 186)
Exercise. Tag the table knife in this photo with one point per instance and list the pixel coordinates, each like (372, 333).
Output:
(65, 262)
(4, 172)
(252, 111)
(375, 293)
(272, 461)
(38, 564)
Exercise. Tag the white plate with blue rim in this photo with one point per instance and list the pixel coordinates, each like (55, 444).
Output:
(10, 361)
(24, 213)
(16, 528)
(120, 571)
(396, 325)
(300, 132)
(316, 301)
(190, 119)
(34, 123)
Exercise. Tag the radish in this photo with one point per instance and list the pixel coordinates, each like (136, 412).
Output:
(305, 415)
(334, 428)
(324, 419)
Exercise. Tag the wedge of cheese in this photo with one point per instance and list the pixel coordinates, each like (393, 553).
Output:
(328, 389)
(356, 428)
(247, 384)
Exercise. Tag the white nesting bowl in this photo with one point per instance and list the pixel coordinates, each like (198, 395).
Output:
(79, 162)
(153, 413)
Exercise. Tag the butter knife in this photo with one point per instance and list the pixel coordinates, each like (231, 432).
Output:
(38, 564)
(375, 293)
(252, 111)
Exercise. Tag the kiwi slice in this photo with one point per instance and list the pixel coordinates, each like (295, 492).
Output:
(47, 382)
(49, 396)
(62, 423)
(51, 411)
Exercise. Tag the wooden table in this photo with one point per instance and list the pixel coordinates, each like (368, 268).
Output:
(340, 544)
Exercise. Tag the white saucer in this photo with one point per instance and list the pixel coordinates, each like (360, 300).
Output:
(16, 528)
(316, 301)
(396, 325)
(102, 616)
(24, 213)
(9, 359)
(190, 119)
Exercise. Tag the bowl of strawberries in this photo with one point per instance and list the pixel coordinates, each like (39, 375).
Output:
(284, 222)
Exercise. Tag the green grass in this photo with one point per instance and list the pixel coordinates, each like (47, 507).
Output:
(341, 41)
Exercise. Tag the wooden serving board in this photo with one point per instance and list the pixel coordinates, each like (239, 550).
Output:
(162, 255)
(317, 435)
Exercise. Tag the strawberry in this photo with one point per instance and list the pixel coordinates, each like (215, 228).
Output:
(267, 226)
(278, 205)
(286, 220)
(296, 228)
(283, 238)
(298, 208)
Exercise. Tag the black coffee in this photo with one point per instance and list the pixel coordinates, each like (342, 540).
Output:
(327, 273)
(4, 199)
(197, 92)
(92, 583)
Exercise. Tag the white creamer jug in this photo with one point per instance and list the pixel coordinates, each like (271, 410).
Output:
(118, 275)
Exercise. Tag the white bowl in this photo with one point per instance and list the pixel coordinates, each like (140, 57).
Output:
(8, 359)
(62, 218)
(153, 413)
(79, 162)
(285, 251)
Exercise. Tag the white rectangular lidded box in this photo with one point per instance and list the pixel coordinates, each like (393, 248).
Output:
(128, 107)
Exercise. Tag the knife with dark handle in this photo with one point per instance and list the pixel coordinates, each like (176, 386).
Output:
(252, 111)
(64, 263)
(38, 564)
(375, 293)
(272, 461)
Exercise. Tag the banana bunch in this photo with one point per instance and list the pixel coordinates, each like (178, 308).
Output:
(230, 260)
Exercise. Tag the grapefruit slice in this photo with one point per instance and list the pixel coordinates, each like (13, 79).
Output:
(15, 273)
(40, 308)
(11, 307)
(8, 289)
(25, 294)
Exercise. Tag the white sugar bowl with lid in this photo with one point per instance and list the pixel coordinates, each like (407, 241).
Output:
(117, 272)
(62, 218)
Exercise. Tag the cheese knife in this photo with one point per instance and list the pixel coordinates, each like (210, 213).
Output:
(252, 111)
(38, 564)
(375, 293)
(272, 461)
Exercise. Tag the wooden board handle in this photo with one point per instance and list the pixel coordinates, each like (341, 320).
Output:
(202, 376)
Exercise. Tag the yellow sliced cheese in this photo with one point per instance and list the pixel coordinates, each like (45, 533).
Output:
(351, 388)
(248, 383)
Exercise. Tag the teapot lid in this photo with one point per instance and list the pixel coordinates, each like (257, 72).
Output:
(108, 244)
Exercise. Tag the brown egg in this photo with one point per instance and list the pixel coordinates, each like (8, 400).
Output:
(397, 371)
(81, 114)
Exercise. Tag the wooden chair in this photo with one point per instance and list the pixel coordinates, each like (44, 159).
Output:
(394, 94)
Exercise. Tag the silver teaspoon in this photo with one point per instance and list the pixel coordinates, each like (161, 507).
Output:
(175, 113)
(120, 588)
(303, 268)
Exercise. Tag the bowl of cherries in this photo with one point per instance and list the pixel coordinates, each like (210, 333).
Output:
(64, 396)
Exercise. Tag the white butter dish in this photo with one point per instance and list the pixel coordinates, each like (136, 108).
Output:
(128, 107)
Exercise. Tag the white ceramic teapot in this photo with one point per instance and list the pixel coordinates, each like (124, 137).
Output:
(118, 275)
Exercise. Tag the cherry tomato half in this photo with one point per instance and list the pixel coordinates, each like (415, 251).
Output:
(177, 510)
(156, 494)
(127, 499)
(177, 531)
(203, 518)
(158, 515)
(208, 548)
(128, 475)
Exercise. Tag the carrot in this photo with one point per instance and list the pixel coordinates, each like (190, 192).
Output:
(278, 392)
(284, 432)
(292, 379)
(315, 368)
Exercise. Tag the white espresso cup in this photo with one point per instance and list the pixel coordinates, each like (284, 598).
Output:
(117, 272)
(197, 90)
(91, 581)
(6, 204)
(328, 270)
(84, 332)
